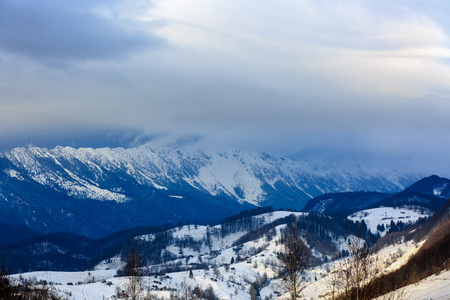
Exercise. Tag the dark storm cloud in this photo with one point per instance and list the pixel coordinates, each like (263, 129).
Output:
(67, 30)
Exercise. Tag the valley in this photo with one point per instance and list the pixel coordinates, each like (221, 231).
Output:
(228, 266)
(218, 240)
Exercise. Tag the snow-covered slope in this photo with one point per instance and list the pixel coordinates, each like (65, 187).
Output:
(231, 269)
(242, 175)
(343, 204)
(380, 219)
(166, 184)
(434, 287)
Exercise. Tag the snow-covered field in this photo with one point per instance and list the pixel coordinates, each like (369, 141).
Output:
(233, 282)
(77, 285)
(385, 215)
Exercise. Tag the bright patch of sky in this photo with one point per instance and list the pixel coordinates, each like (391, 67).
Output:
(358, 82)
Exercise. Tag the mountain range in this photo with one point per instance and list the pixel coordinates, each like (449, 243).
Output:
(95, 192)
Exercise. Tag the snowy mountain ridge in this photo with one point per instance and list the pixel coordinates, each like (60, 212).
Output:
(241, 175)
(95, 192)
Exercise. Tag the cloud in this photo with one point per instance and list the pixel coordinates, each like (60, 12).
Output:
(69, 30)
(346, 45)
(349, 80)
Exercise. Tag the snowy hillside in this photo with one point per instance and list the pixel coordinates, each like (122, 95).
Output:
(434, 287)
(217, 252)
(230, 268)
(380, 219)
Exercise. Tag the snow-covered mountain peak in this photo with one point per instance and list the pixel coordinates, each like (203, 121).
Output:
(149, 178)
(242, 175)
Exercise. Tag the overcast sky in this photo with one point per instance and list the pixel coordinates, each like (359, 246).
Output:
(354, 82)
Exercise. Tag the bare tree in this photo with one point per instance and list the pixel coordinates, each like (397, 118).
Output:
(358, 268)
(294, 259)
(355, 277)
(186, 289)
(134, 263)
(334, 282)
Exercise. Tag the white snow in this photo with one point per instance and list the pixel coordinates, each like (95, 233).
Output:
(14, 174)
(230, 282)
(385, 215)
(63, 278)
(438, 191)
(236, 173)
(436, 287)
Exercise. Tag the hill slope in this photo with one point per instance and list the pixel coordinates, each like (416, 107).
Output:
(343, 204)
(230, 258)
(432, 185)
(427, 194)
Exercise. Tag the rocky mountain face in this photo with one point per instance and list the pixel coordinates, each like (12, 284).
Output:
(98, 191)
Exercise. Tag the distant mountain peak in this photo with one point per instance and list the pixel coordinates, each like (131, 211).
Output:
(432, 185)
(99, 181)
